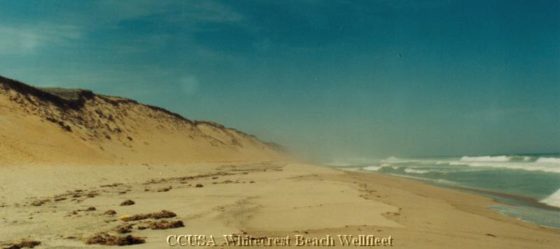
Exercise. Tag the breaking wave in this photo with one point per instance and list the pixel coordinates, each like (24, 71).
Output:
(553, 199)
(373, 168)
(519, 166)
(485, 159)
(545, 164)
(549, 163)
(416, 171)
(548, 160)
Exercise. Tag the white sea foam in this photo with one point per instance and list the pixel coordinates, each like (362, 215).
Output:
(529, 166)
(553, 199)
(485, 159)
(373, 168)
(455, 163)
(545, 164)
(416, 171)
(554, 160)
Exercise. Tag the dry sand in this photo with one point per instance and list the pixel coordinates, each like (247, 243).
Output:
(63, 206)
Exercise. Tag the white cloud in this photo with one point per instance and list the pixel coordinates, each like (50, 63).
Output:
(26, 36)
(27, 39)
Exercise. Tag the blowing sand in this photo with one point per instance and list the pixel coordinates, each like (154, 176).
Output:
(82, 207)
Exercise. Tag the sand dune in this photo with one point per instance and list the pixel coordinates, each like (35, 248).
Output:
(61, 126)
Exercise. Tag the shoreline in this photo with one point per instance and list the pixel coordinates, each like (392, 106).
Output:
(255, 199)
(487, 195)
(502, 200)
(461, 200)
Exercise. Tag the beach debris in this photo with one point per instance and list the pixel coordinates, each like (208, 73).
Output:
(490, 235)
(199, 185)
(164, 224)
(38, 203)
(60, 198)
(127, 203)
(164, 189)
(92, 194)
(124, 228)
(112, 240)
(110, 212)
(156, 215)
(22, 244)
(185, 179)
(89, 209)
(78, 195)
(111, 185)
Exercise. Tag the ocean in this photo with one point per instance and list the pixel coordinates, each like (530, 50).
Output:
(527, 186)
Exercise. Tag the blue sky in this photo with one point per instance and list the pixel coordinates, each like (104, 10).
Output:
(330, 79)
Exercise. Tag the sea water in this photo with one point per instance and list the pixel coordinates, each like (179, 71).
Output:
(526, 185)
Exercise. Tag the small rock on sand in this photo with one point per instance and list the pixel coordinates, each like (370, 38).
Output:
(164, 224)
(110, 212)
(112, 240)
(163, 214)
(127, 203)
(23, 244)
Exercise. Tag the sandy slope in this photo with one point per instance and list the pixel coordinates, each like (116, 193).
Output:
(78, 127)
(258, 200)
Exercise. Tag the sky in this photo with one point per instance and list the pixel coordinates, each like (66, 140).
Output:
(327, 79)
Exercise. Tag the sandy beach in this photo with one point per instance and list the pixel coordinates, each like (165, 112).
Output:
(65, 207)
